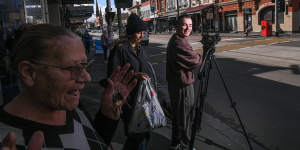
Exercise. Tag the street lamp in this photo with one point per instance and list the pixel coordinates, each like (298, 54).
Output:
(177, 3)
(276, 18)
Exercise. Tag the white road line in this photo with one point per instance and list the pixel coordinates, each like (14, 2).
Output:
(232, 39)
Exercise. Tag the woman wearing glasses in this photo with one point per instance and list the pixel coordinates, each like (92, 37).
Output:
(130, 51)
(52, 68)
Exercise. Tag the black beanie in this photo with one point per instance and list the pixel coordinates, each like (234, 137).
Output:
(135, 24)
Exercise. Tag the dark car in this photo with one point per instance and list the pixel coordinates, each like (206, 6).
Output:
(145, 39)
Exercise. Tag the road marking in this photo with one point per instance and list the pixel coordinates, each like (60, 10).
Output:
(232, 39)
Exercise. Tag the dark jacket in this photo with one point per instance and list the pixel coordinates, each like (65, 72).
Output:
(119, 56)
(181, 60)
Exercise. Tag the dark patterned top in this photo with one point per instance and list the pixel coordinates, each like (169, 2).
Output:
(77, 134)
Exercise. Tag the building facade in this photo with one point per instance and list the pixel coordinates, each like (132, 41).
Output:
(224, 15)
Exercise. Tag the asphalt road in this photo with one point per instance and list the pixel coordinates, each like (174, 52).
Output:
(263, 80)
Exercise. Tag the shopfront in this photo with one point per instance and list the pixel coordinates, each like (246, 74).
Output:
(231, 21)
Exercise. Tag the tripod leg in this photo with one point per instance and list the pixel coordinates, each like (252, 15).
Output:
(202, 92)
(233, 104)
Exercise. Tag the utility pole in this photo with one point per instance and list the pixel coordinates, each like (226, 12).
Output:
(177, 9)
(276, 18)
(109, 19)
(44, 9)
(119, 13)
(25, 11)
(65, 19)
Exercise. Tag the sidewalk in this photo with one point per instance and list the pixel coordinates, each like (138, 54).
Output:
(233, 34)
(214, 134)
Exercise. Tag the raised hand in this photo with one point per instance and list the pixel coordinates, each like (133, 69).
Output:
(121, 84)
(36, 142)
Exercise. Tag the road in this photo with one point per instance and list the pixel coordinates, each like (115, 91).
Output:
(263, 80)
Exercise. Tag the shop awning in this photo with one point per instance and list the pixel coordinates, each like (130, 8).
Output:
(146, 19)
(198, 8)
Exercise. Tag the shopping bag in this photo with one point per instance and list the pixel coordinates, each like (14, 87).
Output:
(147, 114)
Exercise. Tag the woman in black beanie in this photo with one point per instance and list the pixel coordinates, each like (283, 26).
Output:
(130, 51)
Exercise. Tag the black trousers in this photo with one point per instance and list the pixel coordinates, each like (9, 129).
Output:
(182, 101)
(105, 49)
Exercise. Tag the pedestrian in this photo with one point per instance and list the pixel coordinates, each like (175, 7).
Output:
(104, 42)
(181, 61)
(130, 51)
(87, 39)
(52, 68)
(248, 29)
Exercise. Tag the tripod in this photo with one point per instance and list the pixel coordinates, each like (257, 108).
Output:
(209, 42)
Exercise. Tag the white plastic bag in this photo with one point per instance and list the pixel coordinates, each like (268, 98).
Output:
(148, 113)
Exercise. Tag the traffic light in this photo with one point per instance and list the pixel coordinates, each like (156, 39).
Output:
(281, 5)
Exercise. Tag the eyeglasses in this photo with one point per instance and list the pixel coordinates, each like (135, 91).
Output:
(76, 70)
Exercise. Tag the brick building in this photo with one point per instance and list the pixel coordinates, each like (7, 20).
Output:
(225, 15)
(236, 15)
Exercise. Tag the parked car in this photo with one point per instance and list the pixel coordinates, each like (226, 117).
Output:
(145, 39)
